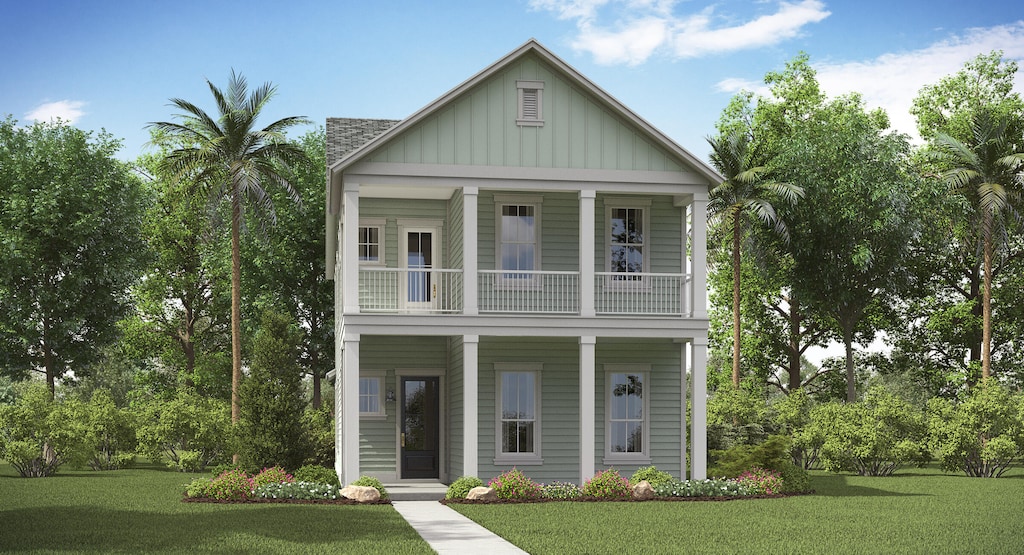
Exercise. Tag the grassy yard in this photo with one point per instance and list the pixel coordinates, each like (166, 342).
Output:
(917, 511)
(140, 511)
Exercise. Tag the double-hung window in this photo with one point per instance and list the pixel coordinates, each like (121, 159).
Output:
(518, 239)
(627, 413)
(628, 252)
(371, 394)
(371, 242)
(518, 437)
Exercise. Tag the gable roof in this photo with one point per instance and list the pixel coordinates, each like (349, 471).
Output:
(350, 157)
(345, 135)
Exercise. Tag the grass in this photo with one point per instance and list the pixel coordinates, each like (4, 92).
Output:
(140, 511)
(918, 511)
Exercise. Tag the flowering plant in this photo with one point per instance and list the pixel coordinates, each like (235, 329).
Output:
(273, 475)
(760, 481)
(296, 490)
(607, 484)
(514, 485)
(233, 484)
(561, 490)
(701, 488)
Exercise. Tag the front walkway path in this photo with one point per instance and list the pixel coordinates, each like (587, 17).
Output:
(448, 532)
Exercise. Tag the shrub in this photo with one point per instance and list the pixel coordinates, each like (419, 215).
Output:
(231, 485)
(225, 467)
(607, 484)
(514, 485)
(773, 454)
(371, 482)
(701, 488)
(318, 426)
(190, 461)
(297, 490)
(793, 418)
(111, 433)
(269, 430)
(795, 479)
(760, 481)
(982, 435)
(39, 434)
(560, 490)
(188, 423)
(272, 475)
(200, 487)
(651, 474)
(317, 474)
(459, 489)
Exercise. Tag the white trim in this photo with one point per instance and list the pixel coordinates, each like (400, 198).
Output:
(533, 281)
(442, 432)
(435, 228)
(381, 377)
(698, 410)
(470, 251)
(530, 93)
(381, 225)
(511, 459)
(613, 203)
(588, 418)
(470, 406)
(644, 455)
(349, 415)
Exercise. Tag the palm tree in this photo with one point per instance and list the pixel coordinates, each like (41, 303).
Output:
(987, 173)
(746, 192)
(235, 158)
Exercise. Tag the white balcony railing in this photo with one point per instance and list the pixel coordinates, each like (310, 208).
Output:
(427, 290)
(642, 294)
(533, 292)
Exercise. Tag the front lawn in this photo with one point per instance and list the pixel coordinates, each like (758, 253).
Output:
(140, 511)
(918, 511)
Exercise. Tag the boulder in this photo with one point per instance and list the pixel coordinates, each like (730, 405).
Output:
(482, 493)
(643, 491)
(363, 494)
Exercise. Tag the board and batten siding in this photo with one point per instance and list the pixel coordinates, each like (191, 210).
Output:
(378, 437)
(479, 128)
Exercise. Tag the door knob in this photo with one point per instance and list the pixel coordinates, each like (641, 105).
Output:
(403, 439)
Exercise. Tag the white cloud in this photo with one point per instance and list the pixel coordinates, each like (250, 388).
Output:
(67, 110)
(644, 27)
(735, 85)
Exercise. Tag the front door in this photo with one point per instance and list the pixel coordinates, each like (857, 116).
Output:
(420, 250)
(420, 430)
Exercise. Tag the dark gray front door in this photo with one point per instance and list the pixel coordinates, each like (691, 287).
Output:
(420, 420)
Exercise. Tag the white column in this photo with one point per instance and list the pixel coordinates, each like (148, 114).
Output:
(470, 242)
(470, 407)
(587, 242)
(588, 371)
(698, 413)
(699, 221)
(683, 394)
(349, 383)
(350, 248)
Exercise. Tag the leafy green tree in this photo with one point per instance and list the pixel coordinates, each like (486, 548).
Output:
(39, 434)
(987, 173)
(270, 431)
(235, 157)
(70, 215)
(190, 431)
(747, 193)
(983, 434)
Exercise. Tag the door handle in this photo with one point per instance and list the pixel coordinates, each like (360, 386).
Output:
(435, 291)
(403, 439)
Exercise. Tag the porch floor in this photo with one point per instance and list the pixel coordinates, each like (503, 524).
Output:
(416, 491)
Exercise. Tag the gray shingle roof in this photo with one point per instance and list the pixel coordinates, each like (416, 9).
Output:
(345, 135)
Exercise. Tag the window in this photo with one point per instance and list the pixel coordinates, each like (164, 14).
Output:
(371, 242)
(627, 430)
(371, 395)
(518, 420)
(628, 251)
(518, 240)
(531, 103)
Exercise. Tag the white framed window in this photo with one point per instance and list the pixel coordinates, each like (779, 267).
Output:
(371, 242)
(627, 223)
(531, 103)
(371, 394)
(518, 423)
(517, 219)
(627, 413)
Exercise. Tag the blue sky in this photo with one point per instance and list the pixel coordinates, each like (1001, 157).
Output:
(114, 65)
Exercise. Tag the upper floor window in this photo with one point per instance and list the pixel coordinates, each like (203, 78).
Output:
(518, 237)
(531, 103)
(627, 224)
(371, 242)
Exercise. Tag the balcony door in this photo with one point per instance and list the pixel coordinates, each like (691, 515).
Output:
(420, 250)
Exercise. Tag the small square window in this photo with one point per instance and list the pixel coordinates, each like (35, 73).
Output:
(371, 396)
(371, 243)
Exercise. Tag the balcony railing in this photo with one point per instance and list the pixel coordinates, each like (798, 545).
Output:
(440, 291)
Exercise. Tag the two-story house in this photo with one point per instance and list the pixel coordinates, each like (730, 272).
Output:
(520, 282)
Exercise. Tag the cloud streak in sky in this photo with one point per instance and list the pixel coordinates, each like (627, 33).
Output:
(66, 110)
(643, 28)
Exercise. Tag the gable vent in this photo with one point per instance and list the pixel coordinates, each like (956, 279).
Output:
(531, 103)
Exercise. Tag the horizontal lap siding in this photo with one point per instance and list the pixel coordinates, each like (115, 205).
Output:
(665, 241)
(456, 402)
(393, 210)
(377, 438)
(559, 403)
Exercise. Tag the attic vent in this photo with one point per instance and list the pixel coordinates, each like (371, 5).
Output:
(531, 103)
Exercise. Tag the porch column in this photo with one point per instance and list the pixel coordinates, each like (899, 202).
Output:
(698, 412)
(588, 367)
(469, 253)
(587, 202)
(699, 248)
(349, 383)
(684, 389)
(350, 248)
(470, 394)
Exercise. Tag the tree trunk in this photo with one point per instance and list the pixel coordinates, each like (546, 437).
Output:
(851, 379)
(736, 301)
(976, 310)
(794, 344)
(187, 341)
(986, 305)
(51, 380)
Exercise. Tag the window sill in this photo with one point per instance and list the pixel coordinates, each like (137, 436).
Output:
(518, 461)
(530, 122)
(373, 416)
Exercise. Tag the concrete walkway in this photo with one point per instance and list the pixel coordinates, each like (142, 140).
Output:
(450, 533)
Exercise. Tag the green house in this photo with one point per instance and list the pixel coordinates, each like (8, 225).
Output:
(520, 280)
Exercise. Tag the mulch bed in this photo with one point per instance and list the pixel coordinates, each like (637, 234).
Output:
(603, 500)
(342, 501)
